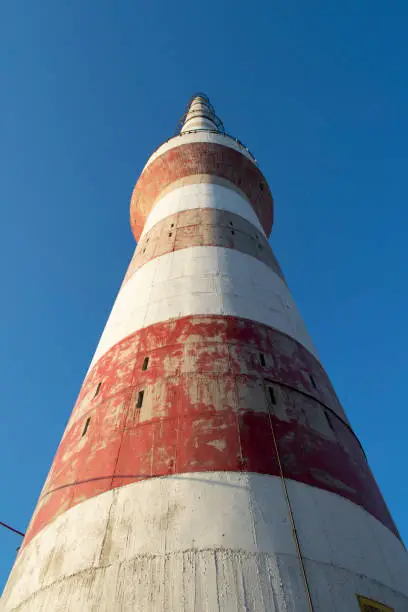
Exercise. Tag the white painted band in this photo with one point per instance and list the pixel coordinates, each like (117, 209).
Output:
(210, 535)
(198, 123)
(201, 195)
(199, 281)
(201, 136)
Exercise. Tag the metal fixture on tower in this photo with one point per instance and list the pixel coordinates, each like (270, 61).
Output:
(208, 463)
(199, 115)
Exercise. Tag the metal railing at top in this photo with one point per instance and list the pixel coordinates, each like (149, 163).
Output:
(211, 116)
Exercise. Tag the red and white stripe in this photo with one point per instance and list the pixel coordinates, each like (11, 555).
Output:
(166, 490)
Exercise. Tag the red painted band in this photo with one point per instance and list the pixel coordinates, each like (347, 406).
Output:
(200, 158)
(202, 227)
(214, 391)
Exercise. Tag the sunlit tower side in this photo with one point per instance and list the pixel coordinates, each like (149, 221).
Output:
(208, 463)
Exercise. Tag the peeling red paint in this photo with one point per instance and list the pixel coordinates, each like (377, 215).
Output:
(200, 158)
(206, 407)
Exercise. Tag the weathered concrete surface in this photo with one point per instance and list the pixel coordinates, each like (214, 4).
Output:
(203, 280)
(207, 429)
(203, 227)
(208, 541)
(200, 158)
(201, 191)
(207, 406)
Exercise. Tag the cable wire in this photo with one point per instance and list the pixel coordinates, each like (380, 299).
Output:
(12, 529)
(292, 519)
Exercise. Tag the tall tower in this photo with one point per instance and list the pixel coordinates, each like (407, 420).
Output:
(207, 464)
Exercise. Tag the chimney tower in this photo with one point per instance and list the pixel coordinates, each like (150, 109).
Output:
(208, 464)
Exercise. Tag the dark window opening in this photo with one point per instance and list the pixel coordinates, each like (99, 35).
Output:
(272, 395)
(85, 429)
(262, 359)
(328, 419)
(144, 250)
(231, 223)
(140, 399)
(232, 232)
(312, 380)
(261, 186)
(98, 388)
(172, 225)
(145, 363)
(170, 234)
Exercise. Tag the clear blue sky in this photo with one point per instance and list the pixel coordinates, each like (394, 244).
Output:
(317, 90)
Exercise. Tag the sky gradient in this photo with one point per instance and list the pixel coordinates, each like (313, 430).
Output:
(318, 92)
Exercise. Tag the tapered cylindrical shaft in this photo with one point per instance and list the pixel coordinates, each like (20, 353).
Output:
(208, 463)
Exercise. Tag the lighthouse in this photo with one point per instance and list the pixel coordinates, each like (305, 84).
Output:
(207, 464)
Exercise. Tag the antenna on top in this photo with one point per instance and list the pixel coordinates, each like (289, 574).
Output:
(199, 115)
